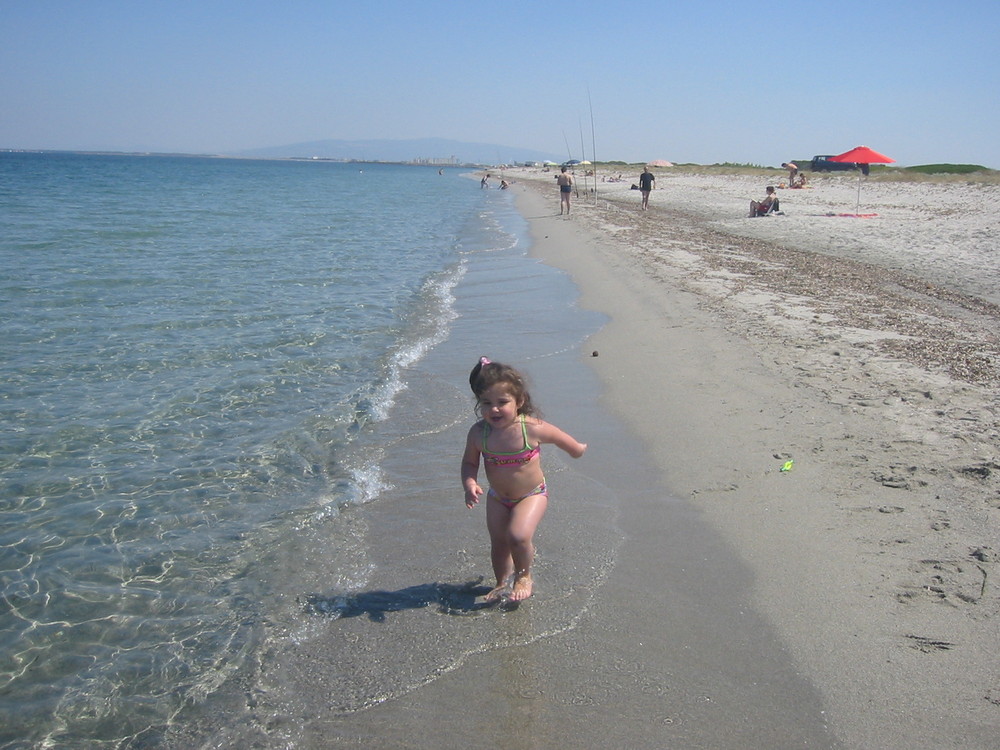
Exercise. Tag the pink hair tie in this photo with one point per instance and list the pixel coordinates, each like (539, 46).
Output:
(484, 361)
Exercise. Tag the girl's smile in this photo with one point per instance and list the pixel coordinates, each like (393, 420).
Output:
(498, 407)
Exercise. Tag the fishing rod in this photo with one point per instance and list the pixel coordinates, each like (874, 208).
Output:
(593, 141)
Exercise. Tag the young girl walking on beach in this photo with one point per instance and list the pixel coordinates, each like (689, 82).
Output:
(509, 438)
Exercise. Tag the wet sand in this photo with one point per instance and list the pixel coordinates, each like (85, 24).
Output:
(642, 631)
(690, 593)
(865, 351)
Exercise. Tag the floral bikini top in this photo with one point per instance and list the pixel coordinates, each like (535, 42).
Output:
(520, 458)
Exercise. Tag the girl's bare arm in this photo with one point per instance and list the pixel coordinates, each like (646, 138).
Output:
(544, 432)
(470, 469)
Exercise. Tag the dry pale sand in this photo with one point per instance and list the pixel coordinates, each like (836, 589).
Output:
(866, 351)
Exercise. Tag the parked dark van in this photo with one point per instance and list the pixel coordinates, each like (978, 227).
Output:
(823, 164)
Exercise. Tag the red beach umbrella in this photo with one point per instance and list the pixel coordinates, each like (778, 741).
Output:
(862, 155)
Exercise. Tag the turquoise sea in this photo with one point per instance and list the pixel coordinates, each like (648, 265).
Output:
(233, 395)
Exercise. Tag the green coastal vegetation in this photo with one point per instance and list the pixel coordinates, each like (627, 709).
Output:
(948, 169)
(973, 173)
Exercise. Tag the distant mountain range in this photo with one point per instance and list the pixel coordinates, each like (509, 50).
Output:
(435, 150)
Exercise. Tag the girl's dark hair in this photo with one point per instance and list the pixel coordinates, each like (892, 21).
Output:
(486, 374)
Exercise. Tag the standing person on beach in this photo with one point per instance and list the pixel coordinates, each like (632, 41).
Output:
(565, 182)
(485, 182)
(509, 438)
(793, 172)
(646, 180)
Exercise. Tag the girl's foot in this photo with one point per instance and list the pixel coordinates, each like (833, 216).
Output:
(495, 594)
(522, 588)
(499, 591)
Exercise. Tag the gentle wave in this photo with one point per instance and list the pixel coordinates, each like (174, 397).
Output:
(195, 350)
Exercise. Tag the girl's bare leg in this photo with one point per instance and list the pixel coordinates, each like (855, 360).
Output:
(497, 521)
(524, 520)
(512, 548)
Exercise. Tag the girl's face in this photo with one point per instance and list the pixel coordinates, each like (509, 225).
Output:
(498, 406)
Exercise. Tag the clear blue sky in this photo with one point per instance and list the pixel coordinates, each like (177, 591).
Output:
(703, 81)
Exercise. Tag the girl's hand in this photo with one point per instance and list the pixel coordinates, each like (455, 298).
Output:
(472, 495)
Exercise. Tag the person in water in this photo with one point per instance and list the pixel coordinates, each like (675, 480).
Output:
(508, 438)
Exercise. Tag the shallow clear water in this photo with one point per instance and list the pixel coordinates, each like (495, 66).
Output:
(195, 352)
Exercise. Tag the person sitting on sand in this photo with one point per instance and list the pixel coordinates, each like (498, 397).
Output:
(799, 182)
(764, 207)
(508, 439)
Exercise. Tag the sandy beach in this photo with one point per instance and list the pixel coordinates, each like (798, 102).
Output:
(785, 532)
(864, 351)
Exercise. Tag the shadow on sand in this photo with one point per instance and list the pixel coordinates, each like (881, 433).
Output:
(449, 599)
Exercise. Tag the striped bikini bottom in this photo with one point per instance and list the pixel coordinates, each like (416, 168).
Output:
(509, 502)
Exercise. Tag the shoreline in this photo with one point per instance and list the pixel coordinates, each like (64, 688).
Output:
(641, 632)
(689, 592)
(778, 339)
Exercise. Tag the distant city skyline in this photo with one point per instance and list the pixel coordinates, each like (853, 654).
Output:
(697, 82)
